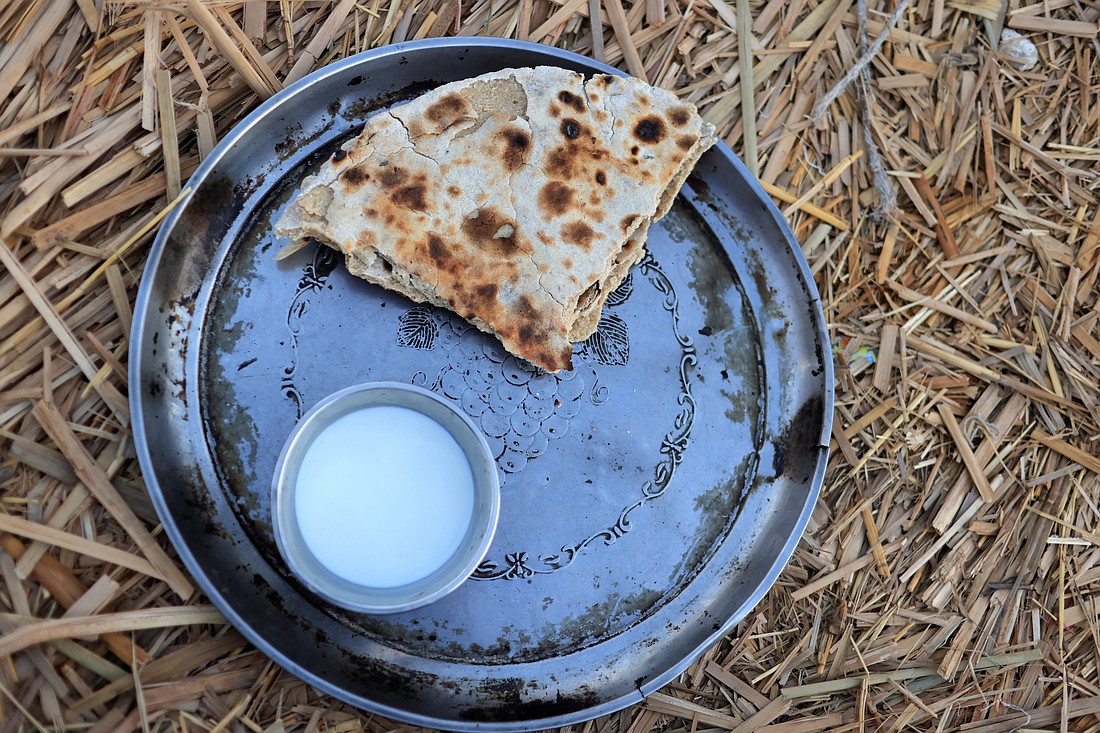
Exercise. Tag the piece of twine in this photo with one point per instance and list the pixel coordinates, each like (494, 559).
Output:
(888, 199)
(1017, 708)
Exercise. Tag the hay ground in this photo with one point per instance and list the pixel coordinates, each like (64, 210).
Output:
(948, 579)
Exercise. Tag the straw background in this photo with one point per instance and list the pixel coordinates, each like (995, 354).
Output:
(948, 580)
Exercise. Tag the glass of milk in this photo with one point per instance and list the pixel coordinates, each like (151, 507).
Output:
(385, 498)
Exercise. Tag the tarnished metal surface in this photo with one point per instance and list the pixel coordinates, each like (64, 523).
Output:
(648, 498)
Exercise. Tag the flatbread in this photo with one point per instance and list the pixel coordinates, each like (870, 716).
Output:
(518, 199)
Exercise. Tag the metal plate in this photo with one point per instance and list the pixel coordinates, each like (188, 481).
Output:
(649, 498)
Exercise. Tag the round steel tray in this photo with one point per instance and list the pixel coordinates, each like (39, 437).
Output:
(649, 498)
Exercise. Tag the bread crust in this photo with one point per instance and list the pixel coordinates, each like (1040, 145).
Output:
(517, 199)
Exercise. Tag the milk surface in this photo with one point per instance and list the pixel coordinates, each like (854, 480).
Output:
(384, 496)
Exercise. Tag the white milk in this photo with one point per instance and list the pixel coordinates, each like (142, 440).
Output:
(384, 496)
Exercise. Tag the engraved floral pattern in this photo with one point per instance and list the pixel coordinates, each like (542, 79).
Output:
(310, 284)
(610, 344)
(521, 408)
(513, 568)
(672, 449)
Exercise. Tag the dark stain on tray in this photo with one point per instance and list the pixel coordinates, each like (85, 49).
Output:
(202, 511)
(357, 111)
(719, 207)
(277, 602)
(719, 508)
(238, 441)
(507, 696)
(591, 627)
(295, 140)
(361, 109)
(291, 142)
(397, 683)
(210, 208)
(700, 187)
(802, 432)
(709, 282)
(760, 277)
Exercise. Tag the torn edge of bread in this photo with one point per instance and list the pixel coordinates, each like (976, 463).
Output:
(592, 300)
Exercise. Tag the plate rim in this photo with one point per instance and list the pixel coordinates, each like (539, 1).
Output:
(141, 311)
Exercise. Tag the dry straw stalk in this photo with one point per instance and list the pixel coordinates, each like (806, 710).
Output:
(948, 578)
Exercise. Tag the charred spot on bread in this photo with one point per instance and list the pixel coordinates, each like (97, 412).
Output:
(339, 155)
(533, 338)
(486, 295)
(559, 163)
(650, 129)
(356, 176)
(437, 250)
(579, 234)
(686, 141)
(569, 161)
(492, 232)
(570, 128)
(601, 178)
(627, 221)
(392, 177)
(366, 238)
(525, 309)
(447, 110)
(517, 144)
(555, 198)
(413, 196)
(571, 100)
(679, 116)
